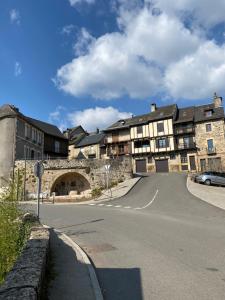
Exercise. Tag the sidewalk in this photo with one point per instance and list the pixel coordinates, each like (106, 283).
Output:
(72, 277)
(211, 194)
(118, 191)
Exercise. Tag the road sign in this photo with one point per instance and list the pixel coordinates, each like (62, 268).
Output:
(107, 167)
(39, 169)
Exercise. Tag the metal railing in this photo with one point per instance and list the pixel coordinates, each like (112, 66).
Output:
(211, 150)
(184, 130)
(183, 146)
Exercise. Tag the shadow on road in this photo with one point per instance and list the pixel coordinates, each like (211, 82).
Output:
(68, 278)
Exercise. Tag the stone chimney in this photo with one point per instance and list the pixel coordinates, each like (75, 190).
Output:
(153, 107)
(217, 101)
(97, 130)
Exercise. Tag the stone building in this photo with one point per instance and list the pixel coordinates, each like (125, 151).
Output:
(90, 147)
(25, 138)
(210, 136)
(171, 139)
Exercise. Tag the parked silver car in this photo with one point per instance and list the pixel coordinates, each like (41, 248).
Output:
(211, 178)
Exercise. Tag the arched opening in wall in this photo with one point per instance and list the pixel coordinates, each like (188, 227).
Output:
(70, 183)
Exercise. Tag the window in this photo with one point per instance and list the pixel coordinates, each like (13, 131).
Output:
(39, 137)
(142, 144)
(34, 135)
(121, 148)
(208, 127)
(208, 113)
(57, 146)
(150, 159)
(183, 158)
(27, 131)
(186, 142)
(210, 144)
(139, 129)
(203, 164)
(32, 154)
(160, 127)
(162, 143)
(172, 156)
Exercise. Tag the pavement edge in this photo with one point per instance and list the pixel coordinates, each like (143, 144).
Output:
(93, 277)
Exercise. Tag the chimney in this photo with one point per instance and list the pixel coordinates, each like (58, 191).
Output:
(153, 107)
(217, 101)
(97, 130)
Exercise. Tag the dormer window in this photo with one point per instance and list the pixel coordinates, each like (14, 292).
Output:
(208, 113)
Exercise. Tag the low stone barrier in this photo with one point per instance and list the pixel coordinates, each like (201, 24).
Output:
(26, 278)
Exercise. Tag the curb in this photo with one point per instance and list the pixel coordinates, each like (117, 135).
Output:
(93, 277)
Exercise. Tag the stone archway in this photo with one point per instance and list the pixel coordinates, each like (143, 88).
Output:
(68, 183)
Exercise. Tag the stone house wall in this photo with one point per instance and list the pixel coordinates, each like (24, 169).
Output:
(217, 134)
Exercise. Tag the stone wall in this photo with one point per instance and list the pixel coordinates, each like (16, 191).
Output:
(92, 170)
(25, 280)
(217, 134)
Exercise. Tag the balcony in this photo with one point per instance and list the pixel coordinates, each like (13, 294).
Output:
(186, 146)
(211, 150)
(183, 130)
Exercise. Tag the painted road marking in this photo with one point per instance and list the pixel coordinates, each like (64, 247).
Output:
(109, 205)
(153, 199)
(92, 204)
(117, 206)
(127, 207)
(101, 204)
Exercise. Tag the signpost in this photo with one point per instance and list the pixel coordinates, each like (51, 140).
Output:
(107, 168)
(38, 172)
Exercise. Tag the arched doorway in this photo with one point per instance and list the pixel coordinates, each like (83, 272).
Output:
(70, 182)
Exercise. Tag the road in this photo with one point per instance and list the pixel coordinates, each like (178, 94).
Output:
(158, 242)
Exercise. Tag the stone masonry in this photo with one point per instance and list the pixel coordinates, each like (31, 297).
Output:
(92, 171)
(217, 134)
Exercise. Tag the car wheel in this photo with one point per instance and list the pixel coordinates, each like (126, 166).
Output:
(208, 182)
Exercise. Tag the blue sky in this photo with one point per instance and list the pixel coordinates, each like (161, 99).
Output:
(95, 61)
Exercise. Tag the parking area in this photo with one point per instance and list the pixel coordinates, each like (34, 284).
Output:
(212, 194)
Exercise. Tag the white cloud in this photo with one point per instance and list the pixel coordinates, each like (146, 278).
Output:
(84, 42)
(67, 29)
(152, 53)
(202, 12)
(58, 117)
(198, 75)
(17, 69)
(14, 15)
(97, 117)
(74, 2)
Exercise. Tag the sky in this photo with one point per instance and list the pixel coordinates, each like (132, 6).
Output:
(93, 62)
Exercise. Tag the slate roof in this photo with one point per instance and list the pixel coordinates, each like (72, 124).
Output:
(91, 140)
(77, 139)
(185, 115)
(47, 128)
(217, 113)
(160, 113)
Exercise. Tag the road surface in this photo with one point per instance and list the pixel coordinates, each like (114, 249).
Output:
(158, 242)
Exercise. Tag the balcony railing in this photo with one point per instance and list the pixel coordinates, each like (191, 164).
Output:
(183, 130)
(211, 150)
(183, 146)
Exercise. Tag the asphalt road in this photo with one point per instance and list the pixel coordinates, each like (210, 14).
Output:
(158, 242)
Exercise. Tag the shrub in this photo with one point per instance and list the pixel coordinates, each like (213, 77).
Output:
(13, 232)
(96, 192)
